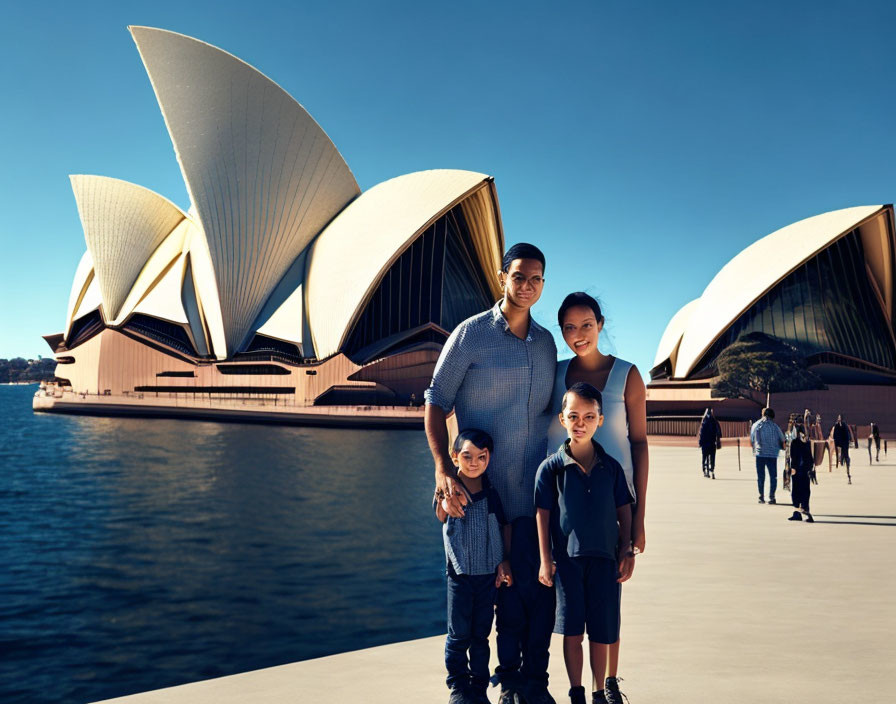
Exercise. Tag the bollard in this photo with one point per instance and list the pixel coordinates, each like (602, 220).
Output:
(738, 454)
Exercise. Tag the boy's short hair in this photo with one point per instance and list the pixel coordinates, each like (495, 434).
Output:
(521, 250)
(479, 438)
(768, 413)
(584, 390)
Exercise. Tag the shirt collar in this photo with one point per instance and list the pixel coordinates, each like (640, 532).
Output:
(499, 320)
(568, 459)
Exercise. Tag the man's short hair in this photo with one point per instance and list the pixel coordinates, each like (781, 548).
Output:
(521, 250)
(768, 413)
(479, 438)
(586, 391)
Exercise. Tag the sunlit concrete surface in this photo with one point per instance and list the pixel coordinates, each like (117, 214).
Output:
(731, 603)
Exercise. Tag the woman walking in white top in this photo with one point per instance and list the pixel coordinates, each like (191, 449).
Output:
(624, 432)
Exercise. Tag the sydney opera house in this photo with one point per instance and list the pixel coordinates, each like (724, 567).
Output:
(825, 285)
(282, 280)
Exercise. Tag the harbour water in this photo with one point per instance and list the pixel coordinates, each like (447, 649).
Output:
(138, 553)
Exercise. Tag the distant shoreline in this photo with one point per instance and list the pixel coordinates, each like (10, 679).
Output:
(18, 383)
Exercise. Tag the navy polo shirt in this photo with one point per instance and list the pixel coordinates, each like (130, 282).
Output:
(583, 506)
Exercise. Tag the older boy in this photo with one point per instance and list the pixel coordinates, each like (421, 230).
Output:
(583, 508)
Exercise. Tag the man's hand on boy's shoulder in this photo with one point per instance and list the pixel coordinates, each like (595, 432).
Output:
(451, 490)
(504, 575)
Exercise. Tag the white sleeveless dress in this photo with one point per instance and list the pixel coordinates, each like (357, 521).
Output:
(613, 434)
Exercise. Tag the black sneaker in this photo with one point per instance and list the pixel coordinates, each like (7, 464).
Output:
(809, 518)
(761, 500)
(577, 695)
(795, 517)
(508, 696)
(611, 691)
(460, 696)
(598, 697)
(772, 501)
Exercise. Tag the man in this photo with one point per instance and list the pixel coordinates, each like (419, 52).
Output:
(496, 372)
(842, 436)
(767, 440)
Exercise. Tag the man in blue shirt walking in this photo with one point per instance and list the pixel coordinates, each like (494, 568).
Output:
(496, 372)
(767, 441)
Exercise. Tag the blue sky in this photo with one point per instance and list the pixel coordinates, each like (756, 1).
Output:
(641, 145)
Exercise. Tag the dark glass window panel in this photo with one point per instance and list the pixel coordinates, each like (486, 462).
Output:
(161, 331)
(437, 280)
(825, 306)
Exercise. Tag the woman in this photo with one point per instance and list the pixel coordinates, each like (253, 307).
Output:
(624, 431)
(709, 437)
(802, 464)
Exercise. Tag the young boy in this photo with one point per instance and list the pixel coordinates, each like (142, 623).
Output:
(583, 506)
(476, 546)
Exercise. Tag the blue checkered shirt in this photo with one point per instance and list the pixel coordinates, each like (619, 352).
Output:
(501, 384)
(766, 438)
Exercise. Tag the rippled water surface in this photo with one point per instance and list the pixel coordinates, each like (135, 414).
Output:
(137, 554)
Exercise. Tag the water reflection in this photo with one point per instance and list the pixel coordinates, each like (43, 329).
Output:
(148, 553)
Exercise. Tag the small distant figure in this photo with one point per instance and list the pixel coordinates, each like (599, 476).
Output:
(874, 436)
(477, 550)
(842, 436)
(709, 437)
(789, 434)
(767, 441)
(802, 466)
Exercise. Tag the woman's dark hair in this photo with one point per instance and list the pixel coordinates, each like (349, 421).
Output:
(579, 298)
(586, 391)
(522, 250)
(479, 438)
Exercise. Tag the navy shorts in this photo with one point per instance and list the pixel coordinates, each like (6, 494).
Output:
(588, 598)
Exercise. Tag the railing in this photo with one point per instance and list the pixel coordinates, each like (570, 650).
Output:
(688, 426)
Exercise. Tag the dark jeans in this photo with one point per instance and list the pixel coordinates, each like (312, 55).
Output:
(709, 457)
(772, 464)
(525, 614)
(471, 609)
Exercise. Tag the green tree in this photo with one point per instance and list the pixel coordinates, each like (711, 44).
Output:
(757, 363)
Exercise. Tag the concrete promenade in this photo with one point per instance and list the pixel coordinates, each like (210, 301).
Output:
(730, 603)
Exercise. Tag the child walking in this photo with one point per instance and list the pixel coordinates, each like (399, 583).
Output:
(475, 550)
(584, 516)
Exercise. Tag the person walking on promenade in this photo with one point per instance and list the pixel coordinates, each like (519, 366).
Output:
(802, 466)
(842, 436)
(767, 441)
(875, 437)
(789, 434)
(816, 440)
(623, 433)
(495, 371)
(709, 437)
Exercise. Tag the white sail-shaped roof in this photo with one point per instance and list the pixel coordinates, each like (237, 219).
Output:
(83, 277)
(351, 254)
(164, 299)
(169, 250)
(744, 279)
(262, 175)
(90, 301)
(123, 224)
(668, 347)
(286, 322)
